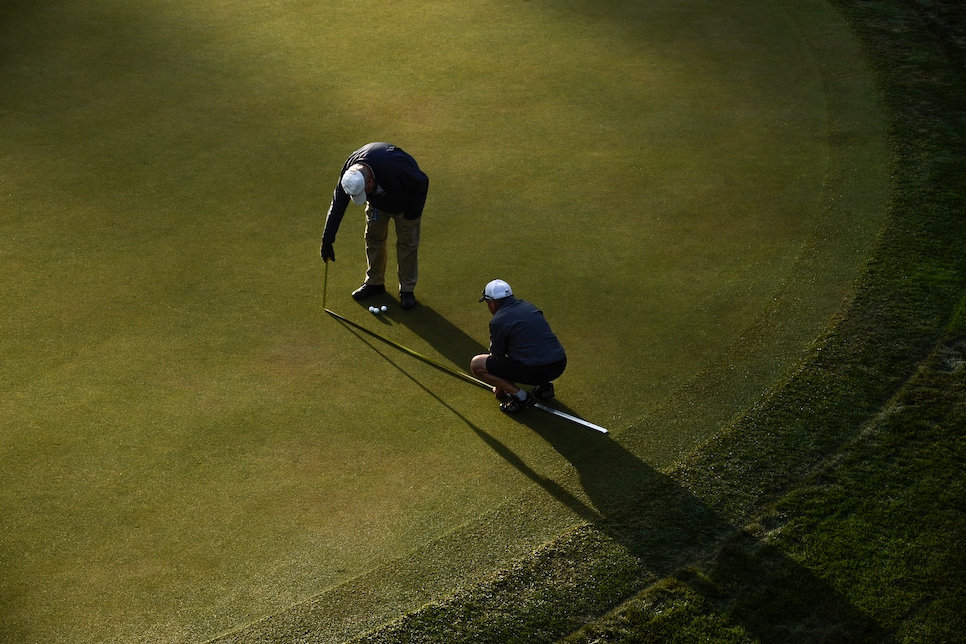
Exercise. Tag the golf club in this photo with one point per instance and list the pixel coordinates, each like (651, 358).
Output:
(325, 283)
(459, 374)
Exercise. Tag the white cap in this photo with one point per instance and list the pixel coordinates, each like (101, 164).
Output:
(496, 290)
(354, 183)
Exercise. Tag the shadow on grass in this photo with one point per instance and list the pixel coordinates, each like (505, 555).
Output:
(446, 338)
(449, 340)
(730, 573)
(735, 580)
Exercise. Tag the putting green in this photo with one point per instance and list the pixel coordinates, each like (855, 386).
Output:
(191, 445)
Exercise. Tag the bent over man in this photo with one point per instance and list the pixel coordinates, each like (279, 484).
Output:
(391, 185)
(522, 349)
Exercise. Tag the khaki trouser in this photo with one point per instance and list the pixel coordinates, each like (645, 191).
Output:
(407, 246)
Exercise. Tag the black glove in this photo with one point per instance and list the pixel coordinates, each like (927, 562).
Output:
(328, 252)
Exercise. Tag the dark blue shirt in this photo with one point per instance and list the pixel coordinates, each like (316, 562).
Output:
(401, 187)
(519, 330)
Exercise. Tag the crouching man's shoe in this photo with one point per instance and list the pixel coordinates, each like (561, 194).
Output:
(514, 404)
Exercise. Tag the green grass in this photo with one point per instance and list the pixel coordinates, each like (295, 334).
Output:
(191, 445)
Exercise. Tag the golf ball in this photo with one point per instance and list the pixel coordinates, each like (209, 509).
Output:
(384, 308)
(373, 309)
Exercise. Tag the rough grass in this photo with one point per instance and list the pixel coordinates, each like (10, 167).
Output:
(834, 511)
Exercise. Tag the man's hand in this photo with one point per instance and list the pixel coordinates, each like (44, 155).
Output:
(328, 252)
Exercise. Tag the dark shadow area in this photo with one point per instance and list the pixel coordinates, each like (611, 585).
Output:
(449, 340)
(552, 487)
(672, 533)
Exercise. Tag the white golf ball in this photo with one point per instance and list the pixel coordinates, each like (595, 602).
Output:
(384, 308)
(373, 309)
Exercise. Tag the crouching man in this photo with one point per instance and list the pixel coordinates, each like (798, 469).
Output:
(522, 349)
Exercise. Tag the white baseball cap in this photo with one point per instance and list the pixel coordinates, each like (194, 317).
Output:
(354, 183)
(496, 290)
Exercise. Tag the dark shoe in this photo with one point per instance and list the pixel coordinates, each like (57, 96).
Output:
(543, 391)
(407, 300)
(368, 290)
(515, 405)
(504, 397)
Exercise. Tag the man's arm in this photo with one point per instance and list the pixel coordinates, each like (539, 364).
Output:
(333, 219)
(340, 199)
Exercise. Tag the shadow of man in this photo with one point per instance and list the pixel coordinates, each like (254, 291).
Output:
(669, 532)
(674, 534)
(446, 338)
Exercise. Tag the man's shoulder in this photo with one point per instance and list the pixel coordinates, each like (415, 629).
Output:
(514, 308)
(503, 312)
(522, 305)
